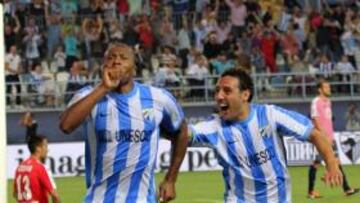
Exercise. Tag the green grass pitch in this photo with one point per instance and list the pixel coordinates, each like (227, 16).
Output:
(208, 187)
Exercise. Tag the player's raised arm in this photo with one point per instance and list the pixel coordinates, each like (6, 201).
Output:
(81, 106)
(333, 177)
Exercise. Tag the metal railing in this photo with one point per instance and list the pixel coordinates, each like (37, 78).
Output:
(271, 88)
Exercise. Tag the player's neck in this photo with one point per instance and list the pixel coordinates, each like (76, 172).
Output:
(245, 112)
(126, 88)
(35, 156)
(323, 97)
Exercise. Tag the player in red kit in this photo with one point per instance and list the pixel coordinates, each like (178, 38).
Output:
(32, 182)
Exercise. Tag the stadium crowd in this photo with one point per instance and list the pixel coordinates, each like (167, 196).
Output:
(64, 41)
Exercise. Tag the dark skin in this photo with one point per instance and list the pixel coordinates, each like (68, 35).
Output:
(118, 73)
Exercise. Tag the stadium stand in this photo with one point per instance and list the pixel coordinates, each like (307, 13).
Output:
(290, 43)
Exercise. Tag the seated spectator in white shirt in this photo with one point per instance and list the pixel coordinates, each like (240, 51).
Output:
(197, 73)
(343, 71)
(44, 91)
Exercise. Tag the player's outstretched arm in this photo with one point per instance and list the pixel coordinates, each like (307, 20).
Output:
(179, 145)
(333, 176)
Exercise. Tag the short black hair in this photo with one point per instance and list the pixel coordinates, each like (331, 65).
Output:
(34, 141)
(245, 81)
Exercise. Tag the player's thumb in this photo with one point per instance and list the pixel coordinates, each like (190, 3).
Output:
(161, 194)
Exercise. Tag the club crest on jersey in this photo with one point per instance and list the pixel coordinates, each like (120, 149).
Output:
(148, 114)
(265, 131)
(350, 145)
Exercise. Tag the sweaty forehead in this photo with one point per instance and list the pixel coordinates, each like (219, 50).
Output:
(123, 50)
(227, 81)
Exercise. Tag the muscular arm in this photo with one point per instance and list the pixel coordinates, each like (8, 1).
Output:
(333, 177)
(72, 117)
(179, 144)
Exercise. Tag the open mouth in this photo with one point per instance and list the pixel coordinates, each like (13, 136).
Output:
(223, 106)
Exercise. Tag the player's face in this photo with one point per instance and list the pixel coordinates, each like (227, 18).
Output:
(43, 150)
(122, 60)
(325, 89)
(230, 99)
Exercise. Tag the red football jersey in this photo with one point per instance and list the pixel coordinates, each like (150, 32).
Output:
(32, 182)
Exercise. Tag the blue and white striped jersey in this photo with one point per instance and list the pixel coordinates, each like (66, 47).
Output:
(251, 152)
(122, 140)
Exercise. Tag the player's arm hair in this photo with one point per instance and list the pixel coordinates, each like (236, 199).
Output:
(323, 146)
(73, 116)
(179, 144)
(55, 196)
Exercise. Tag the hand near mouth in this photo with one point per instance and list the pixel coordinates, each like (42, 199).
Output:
(111, 78)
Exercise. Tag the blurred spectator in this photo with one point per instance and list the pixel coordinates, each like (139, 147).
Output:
(146, 35)
(238, 14)
(71, 47)
(344, 69)
(268, 41)
(352, 118)
(243, 61)
(12, 70)
(60, 58)
(253, 11)
(11, 33)
(349, 44)
(92, 29)
(44, 92)
(285, 19)
(32, 41)
(115, 32)
(110, 9)
(53, 33)
(212, 48)
(123, 9)
(197, 73)
(245, 43)
(68, 8)
(168, 76)
(222, 31)
(201, 30)
(221, 63)
(325, 67)
(184, 44)
(77, 79)
(167, 57)
(131, 37)
(31, 125)
(167, 33)
(229, 45)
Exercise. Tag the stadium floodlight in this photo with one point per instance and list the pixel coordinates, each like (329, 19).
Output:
(3, 179)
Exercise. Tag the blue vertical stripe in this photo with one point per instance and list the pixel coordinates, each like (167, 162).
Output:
(275, 162)
(88, 156)
(142, 164)
(122, 148)
(100, 125)
(256, 171)
(232, 154)
(151, 197)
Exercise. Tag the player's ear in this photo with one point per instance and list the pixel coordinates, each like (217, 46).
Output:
(245, 95)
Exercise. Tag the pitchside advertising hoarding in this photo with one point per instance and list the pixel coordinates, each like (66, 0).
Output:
(67, 159)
